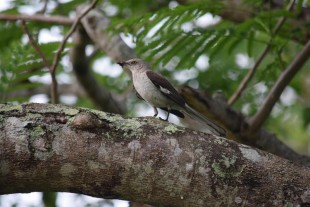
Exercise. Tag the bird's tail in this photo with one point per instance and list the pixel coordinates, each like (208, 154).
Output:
(215, 129)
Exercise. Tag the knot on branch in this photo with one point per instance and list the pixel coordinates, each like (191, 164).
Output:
(85, 120)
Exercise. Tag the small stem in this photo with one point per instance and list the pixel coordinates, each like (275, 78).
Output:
(38, 18)
(44, 59)
(43, 10)
(248, 77)
(55, 19)
(54, 94)
(258, 119)
(34, 44)
(54, 89)
(245, 81)
(72, 29)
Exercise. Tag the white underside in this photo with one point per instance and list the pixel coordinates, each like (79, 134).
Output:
(149, 92)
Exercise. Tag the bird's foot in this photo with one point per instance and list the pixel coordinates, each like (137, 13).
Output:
(163, 119)
(155, 111)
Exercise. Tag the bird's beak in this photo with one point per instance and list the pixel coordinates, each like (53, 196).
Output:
(121, 63)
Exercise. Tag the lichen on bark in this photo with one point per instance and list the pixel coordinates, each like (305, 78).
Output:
(59, 148)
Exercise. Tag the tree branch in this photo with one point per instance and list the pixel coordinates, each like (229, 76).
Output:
(102, 97)
(34, 44)
(138, 159)
(54, 94)
(72, 29)
(95, 24)
(61, 48)
(255, 122)
(38, 18)
(220, 112)
(52, 67)
(251, 72)
(248, 76)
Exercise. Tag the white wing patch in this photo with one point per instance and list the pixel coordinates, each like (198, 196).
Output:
(164, 90)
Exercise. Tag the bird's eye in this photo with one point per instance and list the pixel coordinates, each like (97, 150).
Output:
(133, 62)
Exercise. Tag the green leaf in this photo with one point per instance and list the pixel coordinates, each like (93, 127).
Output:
(193, 48)
(9, 33)
(250, 43)
(178, 45)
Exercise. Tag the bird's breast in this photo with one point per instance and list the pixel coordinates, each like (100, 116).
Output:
(148, 91)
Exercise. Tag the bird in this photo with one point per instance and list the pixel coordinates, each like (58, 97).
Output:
(156, 90)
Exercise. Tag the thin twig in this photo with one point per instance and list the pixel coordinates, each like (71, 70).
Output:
(251, 72)
(72, 29)
(52, 67)
(61, 48)
(34, 44)
(54, 98)
(258, 119)
(44, 8)
(38, 18)
(248, 77)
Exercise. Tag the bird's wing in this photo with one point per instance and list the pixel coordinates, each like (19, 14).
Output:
(165, 87)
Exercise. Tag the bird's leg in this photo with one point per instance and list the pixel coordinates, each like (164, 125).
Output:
(167, 115)
(168, 111)
(155, 111)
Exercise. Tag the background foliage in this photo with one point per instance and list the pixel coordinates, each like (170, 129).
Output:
(188, 42)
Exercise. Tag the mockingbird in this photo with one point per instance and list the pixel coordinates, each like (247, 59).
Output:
(158, 92)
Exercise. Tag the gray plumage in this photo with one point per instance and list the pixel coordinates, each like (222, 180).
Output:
(158, 92)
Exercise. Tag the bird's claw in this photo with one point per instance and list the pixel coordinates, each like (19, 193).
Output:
(163, 119)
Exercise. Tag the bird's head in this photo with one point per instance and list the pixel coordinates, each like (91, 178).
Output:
(134, 64)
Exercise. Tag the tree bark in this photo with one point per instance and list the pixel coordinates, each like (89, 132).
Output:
(219, 111)
(59, 148)
(95, 25)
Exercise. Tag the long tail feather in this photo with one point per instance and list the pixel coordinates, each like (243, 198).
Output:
(217, 130)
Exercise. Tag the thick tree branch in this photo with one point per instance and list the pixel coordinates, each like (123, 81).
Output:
(95, 24)
(58, 148)
(258, 119)
(219, 111)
